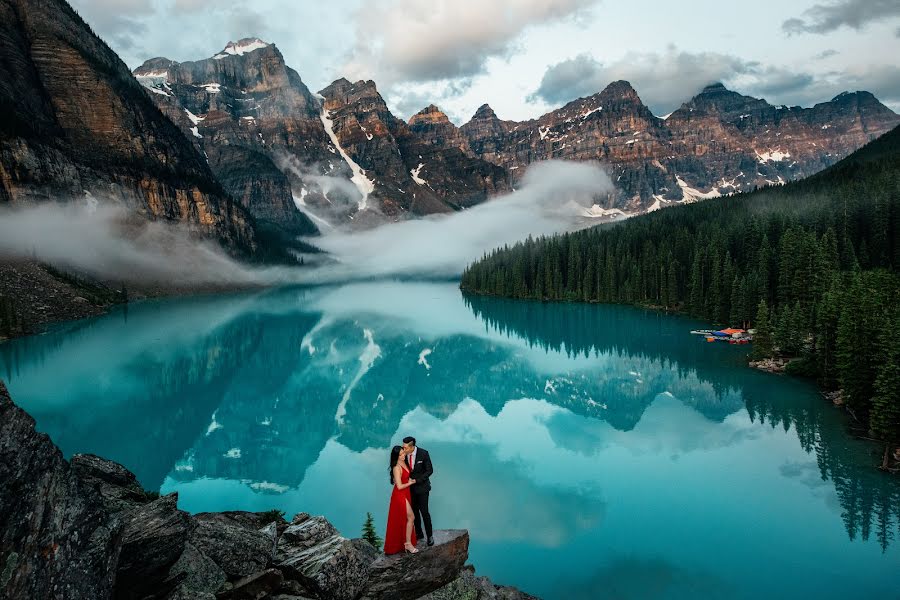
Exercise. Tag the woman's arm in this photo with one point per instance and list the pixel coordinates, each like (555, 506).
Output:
(397, 473)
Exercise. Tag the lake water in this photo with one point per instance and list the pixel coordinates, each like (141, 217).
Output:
(592, 451)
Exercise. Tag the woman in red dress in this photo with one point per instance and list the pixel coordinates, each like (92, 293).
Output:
(400, 535)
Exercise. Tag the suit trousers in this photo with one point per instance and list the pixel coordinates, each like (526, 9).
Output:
(420, 510)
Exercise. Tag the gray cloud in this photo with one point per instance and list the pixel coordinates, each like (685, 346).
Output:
(189, 6)
(552, 196)
(105, 241)
(856, 14)
(121, 22)
(407, 100)
(444, 39)
(826, 54)
(663, 81)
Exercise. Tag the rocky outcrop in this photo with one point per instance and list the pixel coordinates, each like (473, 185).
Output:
(468, 586)
(86, 529)
(411, 576)
(56, 538)
(76, 122)
(153, 539)
(716, 143)
(315, 554)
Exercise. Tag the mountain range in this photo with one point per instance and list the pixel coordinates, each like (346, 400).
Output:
(717, 142)
(240, 149)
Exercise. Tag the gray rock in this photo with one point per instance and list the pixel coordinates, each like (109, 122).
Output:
(117, 485)
(314, 553)
(468, 586)
(293, 589)
(154, 538)
(239, 551)
(56, 539)
(198, 574)
(406, 576)
(254, 587)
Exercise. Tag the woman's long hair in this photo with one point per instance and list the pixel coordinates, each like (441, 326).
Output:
(395, 456)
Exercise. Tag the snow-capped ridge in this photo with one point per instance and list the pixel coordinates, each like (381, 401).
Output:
(241, 47)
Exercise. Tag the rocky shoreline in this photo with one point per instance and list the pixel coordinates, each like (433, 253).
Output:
(34, 295)
(770, 365)
(86, 529)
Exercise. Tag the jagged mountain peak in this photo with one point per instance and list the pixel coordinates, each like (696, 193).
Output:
(241, 47)
(714, 87)
(485, 110)
(431, 114)
(619, 88)
(158, 64)
(859, 96)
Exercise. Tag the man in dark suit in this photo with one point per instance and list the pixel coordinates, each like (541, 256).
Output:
(419, 463)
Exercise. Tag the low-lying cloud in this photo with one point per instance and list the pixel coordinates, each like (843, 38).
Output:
(106, 242)
(551, 199)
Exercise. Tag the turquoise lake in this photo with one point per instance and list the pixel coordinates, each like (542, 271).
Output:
(592, 451)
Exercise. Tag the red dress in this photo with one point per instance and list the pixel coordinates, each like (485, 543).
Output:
(395, 536)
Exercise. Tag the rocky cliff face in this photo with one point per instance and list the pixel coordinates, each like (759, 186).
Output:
(419, 168)
(343, 156)
(87, 529)
(76, 122)
(718, 142)
(252, 116)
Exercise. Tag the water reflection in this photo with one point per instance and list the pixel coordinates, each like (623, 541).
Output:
(588, 448)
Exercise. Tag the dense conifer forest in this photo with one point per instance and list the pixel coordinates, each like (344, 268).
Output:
(811, 265)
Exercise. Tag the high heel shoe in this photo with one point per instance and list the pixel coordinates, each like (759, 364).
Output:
(410, 549)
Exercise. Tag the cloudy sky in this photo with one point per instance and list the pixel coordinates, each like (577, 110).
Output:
(524, 57)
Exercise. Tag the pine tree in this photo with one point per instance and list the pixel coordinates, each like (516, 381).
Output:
(763, 346)
(885, 416)
(368, 532)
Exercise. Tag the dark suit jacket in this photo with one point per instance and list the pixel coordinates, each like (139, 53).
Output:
(421, 472)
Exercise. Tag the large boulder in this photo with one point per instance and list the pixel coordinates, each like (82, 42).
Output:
(253, 587)
(198, 575)
(407, 576)
(239, 550)
(117, 485)
(312, 551)
(56, 539)
(155, 537)
(468, 586)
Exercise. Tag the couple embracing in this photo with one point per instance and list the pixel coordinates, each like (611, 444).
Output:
(410, 470)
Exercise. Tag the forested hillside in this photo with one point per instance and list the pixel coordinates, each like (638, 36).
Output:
(813, 265)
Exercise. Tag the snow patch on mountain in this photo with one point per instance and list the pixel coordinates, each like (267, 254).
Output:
(415, 174)
(690, 194)
(365, 185)
(597, 212)
(367, 358)
(774, 155)
(241, 47)
(194, 118)
(423, 358)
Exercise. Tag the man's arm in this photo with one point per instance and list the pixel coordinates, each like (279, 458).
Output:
(429, 470)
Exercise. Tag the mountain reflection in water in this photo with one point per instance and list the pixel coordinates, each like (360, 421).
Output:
(591, 450)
